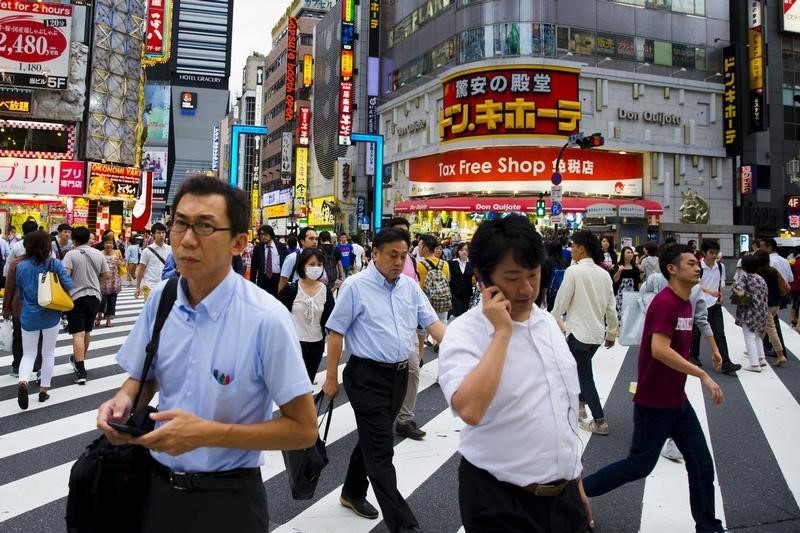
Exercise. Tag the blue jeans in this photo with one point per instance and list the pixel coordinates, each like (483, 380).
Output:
(583, 354)
(651, 429)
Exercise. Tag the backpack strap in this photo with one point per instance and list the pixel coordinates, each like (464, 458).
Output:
(165, 303)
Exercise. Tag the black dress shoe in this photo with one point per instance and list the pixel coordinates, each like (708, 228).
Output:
(409, 430)
(22, 395)
(361, 507)
(43, 397)
(730, 368)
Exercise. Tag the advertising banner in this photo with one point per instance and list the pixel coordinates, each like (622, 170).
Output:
(519, 168)
(291, 68)
(346, 98)
(16, 101)
(304, 129)
(42, 176)
(286, 157)
(158, 28)
(155, 160)
(113, 181)
(215, 148)
(732, 122)
(515, 100)
(748, 175)
(791, 16)
(301, 179)
(34, 44)
(140, 214)
(156, 115)
(344, 181)
(321, 213)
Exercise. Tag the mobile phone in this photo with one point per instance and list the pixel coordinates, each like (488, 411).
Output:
(125, 428)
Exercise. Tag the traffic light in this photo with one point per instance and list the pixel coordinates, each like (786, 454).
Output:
(591, 141)
(540, 208)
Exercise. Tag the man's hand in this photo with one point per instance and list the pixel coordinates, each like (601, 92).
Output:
(716, 393)
(330, 388)
(497, 308)
(183, 432)
(610, 343)
(716, 360)
(117, 410)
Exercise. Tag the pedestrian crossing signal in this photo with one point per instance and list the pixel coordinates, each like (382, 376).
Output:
(591, 141)
(540, 209)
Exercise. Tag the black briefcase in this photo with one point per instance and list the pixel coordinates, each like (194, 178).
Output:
(305, 466)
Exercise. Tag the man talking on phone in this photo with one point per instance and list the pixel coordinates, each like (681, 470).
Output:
(226, 354)
(505, 369)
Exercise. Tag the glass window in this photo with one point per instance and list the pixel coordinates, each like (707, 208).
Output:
(658, 4)
(506, 39)
(662, 53)
(583, 42)
(525, 39)
(683, 6)
(544, 40)
(562, 41)
(700, 58)
(700, 7)
(789, 132)
(471, 45)
(683, 56)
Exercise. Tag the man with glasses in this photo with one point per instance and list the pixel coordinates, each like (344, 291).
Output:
(152, 261)
(215, 402)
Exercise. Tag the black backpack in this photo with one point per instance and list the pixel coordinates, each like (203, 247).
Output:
(331, 265)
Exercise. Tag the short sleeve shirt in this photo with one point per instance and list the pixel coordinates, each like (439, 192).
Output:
(660, 386)
(152, 264)
(86, 265)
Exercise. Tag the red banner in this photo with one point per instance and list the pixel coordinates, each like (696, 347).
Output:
(140, 214)
(520, 168)
(291, 68)
(345, 112)
(154, 33)
(304, 129)
(515, 100)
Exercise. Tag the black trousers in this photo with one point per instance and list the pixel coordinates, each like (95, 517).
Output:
(718, 327)
(269, 284)
(312, 356)
(16, 347)
(108, 305)
(169, 510)
(489, 505)
(376, 394)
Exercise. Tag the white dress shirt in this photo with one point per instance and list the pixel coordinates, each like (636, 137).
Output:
(711, 278)
(782, 266)
(528, 434)
(587, 296)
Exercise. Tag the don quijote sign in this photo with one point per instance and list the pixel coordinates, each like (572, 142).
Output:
(34, 44)
(663, 119)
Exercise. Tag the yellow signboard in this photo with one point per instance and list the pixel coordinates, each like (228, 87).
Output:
(347, 64)
(278, 211)
(301, 178)
(321, 214)
(308, 70)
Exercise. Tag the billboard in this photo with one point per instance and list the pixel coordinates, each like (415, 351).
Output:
(158, 28)
(34, 44)
(732, 122)
(42, 176)
(291, 68)
(157, 104)
(155, 160)
(113, 181)
(791, 16)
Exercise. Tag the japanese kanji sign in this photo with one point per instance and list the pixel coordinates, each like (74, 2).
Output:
(34, 44)
(113, 181)
(346, 98)
(42, 176)
(15, 101)
(731, 121)
(157, 31)
(517, 100)
(523, 168)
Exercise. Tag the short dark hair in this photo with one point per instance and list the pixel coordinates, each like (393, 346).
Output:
(236, 205)
(304, 258)
(494, 239)
(81, 235)
(671, 255)
(750, 263)
(461, 245)
(267, 229)
(590, 242)
(291, 242)
(303, 231)
(762, 257)
(651, 248)
(158, 226)
(354, 238)
(771, 242)
(389, 235)
(64, 227)
(107, 237)
(37, 245)
(324, 236)
(709, 244)
(28, 226)
(429, 241)
(691, 242)
(670, 240)
(398, 221)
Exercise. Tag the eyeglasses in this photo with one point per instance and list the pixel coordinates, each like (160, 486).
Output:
(203, 229)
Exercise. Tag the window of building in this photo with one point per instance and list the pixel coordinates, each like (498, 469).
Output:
(306, 39)
(471, 45)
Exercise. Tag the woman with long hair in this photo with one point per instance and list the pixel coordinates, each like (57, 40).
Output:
(461, 280)
(111, 287)
(310, 301)
(35, 319)
(626, 277)
(770, 275)
(609, 256)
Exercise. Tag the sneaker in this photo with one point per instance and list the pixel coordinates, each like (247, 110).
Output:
(410, 430)
(73, 365)
(80, 379)
(753, 368)
(762, 362)
(730, 368)
(43, 397)
(361, 507)
(671, 451)
(22, 395)
(14, 371)
(582, 413)
(593, 426)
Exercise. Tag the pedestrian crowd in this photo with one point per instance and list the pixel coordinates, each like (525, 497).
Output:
(516, 323)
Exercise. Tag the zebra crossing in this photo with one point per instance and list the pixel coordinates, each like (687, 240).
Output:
(753, 436)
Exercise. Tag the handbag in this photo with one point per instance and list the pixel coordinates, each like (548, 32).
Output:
(122, 270)
(475, 299)
(632, 320)
(305, 466)
(6, 336)
(51, 294)
(108, 484)
(745, 300)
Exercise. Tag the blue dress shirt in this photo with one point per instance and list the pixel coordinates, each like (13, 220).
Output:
(379, 319)
(226, 360)
(35, 317)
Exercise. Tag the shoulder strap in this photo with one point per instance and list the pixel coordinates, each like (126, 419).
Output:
(83, 253)
(168, 297)
(153, 250)
(294, 267)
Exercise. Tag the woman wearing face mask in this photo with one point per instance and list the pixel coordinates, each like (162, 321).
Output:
(310, 301)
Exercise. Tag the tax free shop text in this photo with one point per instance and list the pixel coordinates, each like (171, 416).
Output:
(504, 165)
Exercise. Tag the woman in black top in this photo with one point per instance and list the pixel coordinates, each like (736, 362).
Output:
(626, 277)
(461, 284)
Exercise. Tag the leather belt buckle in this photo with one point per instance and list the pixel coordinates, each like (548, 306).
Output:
(402, 365)
(180, 480)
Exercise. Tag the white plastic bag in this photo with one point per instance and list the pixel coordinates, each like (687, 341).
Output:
(632, 320)
(6, 336)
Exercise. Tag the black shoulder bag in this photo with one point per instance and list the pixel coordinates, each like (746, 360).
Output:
(305, 466)
(108, 483)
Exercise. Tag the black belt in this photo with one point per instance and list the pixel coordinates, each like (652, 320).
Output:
(227, 480)
(547, 490)
(402, 365)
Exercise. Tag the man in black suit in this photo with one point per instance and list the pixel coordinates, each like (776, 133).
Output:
(268, 256)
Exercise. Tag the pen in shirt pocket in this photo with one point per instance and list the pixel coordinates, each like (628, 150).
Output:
(222, 378)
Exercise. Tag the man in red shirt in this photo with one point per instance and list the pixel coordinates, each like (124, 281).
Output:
(661, 408)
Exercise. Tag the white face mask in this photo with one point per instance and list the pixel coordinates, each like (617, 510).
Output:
(314, 272)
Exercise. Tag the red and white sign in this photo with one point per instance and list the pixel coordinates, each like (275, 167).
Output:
(793, 203)
(34, 44)
(304, 128)
(791, 16)
(156, 27)
(346, 97)
(42, 176)
(514, 100)
(528, 169)
(140, 214)
(519, 204)
(747, 179)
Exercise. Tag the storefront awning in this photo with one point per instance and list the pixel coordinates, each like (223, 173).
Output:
(525, 204)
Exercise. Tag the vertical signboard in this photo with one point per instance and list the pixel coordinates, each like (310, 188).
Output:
(345, 112)
(304, 127)
(756, 59)
(286, 158)
(215, 149)
(732, 122)
(344, 181)
(748, 179)
(346, 71)
(301, 180)
(373, 81)
(291, 68)
(158, 28)
(308, 70)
